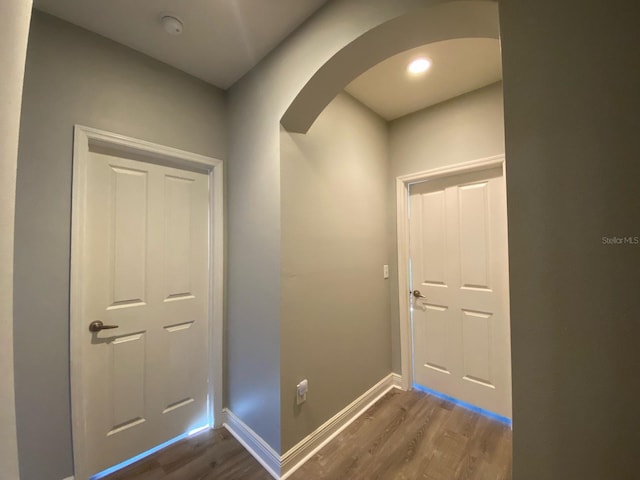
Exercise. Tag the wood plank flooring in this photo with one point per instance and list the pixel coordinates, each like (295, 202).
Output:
(211, 455)
(412, 435)
(404, 436)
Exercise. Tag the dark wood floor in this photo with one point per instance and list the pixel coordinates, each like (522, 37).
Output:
(412, 435)
(404, 436)
(211, 455)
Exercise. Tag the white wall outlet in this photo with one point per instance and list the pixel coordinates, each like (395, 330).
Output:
(301, 391)
(385, 271)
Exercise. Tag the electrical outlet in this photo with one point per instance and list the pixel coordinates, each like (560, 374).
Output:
(301, 391)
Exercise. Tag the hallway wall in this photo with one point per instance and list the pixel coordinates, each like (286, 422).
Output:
(335, 301)
(571, 102)
(256, 105)
(74, 76)
(14, 29)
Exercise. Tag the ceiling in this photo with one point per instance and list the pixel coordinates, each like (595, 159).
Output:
(458, 66)
(222, 39)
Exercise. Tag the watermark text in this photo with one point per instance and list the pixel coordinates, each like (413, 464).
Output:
(616, 240)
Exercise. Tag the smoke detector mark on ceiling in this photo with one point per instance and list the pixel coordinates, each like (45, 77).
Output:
(171, 24)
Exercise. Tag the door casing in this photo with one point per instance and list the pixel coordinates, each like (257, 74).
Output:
(402, 218)
(85, 138)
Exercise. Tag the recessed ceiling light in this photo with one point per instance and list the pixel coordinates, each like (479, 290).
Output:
(419, 65)
(172, 25)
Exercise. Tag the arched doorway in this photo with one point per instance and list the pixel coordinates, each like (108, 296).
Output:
(479, 21)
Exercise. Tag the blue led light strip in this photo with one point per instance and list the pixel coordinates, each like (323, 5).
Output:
(128, 462)
(468, 406)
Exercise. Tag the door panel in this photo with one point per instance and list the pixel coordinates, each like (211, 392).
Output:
(177, 388)
(145, 269)
(458, 253)
(178, 236)
(436, 354)
(128, 219)
(127, 358)
(476, 347)
(434, 241)
(474, 235)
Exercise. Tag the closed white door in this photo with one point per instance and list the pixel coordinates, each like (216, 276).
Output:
(458, 249)
(144, 268)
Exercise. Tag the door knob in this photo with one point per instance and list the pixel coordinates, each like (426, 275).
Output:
(417, 294)
(98, 325)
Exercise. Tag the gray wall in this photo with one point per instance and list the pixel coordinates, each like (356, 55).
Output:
(14, 29)
(465, 128)
(571, 104)
(571, 115)
(462, 129)
(571, 77)
(253, 287)
(256, 104)
(335, 302)
(73, 76)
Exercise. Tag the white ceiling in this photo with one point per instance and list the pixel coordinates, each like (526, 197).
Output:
(222, 39)
(459, 66)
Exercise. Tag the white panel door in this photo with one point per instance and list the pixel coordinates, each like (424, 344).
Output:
(458, 250)
(145, 269)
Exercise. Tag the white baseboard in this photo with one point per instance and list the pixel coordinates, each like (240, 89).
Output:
(309, 446)
(253, 442)
(281, 467)
(69, 478)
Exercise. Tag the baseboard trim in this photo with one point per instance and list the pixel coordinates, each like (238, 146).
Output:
(309, 446)
(281, 467)
(255, 445)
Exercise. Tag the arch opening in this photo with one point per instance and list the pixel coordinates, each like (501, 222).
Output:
(452, 20)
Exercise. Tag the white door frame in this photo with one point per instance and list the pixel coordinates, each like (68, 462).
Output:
(402, 194)
(84, 139)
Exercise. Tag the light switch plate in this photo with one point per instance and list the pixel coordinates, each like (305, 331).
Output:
(301, 392)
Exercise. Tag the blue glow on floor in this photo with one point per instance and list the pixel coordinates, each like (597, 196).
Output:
(468, 406)
(128, 462)
(195, 431)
